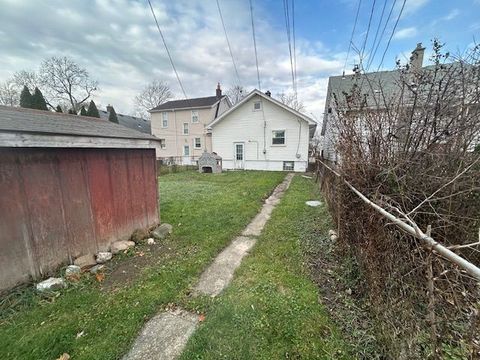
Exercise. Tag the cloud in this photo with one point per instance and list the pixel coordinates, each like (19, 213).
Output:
(405, 33)
(412, 6)
(118, 43)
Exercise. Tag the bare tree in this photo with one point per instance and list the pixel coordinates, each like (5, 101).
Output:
(30, 79)
(9, 94)
(291, 100)
(236, 94)
(152, 95)
(64, 80)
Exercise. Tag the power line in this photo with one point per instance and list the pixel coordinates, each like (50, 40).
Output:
(377, 31)
(370, 61)
(368, 31)
(287, 28)
(168, 52)
(255, 46)
(391, 35)
(228, 43)
(294, 49)
(353, 32)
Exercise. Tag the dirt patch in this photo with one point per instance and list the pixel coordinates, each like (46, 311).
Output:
(124, 269)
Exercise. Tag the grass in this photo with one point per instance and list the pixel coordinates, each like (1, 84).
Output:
(207, 211)
(271, 309)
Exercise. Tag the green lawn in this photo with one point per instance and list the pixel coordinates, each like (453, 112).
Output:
(271, 309)
(207, 211)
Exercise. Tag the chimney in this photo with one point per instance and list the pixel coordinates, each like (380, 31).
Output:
(268, 93)
(219, 91)
(416, 60)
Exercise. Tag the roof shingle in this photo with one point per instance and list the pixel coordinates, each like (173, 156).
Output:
(187, 103)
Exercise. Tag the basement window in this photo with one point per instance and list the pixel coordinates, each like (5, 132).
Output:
(288, 165)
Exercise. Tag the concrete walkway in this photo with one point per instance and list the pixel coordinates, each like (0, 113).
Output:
(165, 335)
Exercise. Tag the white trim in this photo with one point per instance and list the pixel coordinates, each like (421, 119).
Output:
(269, 98)
(284, 138)
(64, 141)
(165, 118)
(197, 114)
(195, 143)
(187, 128)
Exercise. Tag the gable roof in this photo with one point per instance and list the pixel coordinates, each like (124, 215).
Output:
(131, 122)
(208, 101)
(22, 127)
(254, 92)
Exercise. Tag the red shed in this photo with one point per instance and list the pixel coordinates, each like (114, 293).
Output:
(69, 185)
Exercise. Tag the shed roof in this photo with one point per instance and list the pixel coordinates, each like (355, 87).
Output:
(188, 103)
(39, 127)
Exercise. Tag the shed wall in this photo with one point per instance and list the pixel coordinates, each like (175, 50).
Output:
(57, 204)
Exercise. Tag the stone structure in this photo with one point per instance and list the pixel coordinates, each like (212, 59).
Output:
(210, 163)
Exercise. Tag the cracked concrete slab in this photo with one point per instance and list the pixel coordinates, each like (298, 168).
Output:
(220, 272)
(164, 336)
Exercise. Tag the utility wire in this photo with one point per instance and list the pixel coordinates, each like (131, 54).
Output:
(377, 31)
(255, 46)
(287, 28)
(368, 31)
(351, 37)
(391, 35)
(294, 49)
(370, 61)
(228, 43)
(168, 52)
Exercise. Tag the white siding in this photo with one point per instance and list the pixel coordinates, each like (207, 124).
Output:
(254, 128)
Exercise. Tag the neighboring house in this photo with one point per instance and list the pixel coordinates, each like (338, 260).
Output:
(70, 185)
(356, 95)
(132, 122)
(261, 133)
(181, 126)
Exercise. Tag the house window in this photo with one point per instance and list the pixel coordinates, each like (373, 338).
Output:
(197, 143)
(278, 137)
(257, 105)
(288, 165)
(186, 150)
(194, 116)
(165, 120)
(185, 128)
(163, 145)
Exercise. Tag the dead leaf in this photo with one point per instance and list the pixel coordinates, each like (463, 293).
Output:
(64, 356)
(141, 253)
(201, 317)
(100, 277)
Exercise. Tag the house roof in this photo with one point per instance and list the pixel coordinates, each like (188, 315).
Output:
(132, 122)
(310, 121)
(208, 101)
(25, 127)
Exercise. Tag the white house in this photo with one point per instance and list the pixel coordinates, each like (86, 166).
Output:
(261, 133)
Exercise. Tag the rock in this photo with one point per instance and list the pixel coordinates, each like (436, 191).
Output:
(103, 257)
(51, 284)
(138, 235)
(162, 231)
(334, 237)
(96, 269)
(349, 291)
(150, 241)
(313, 203)
(73, 270)
(121, 245)
(85, 261)
(332, 232)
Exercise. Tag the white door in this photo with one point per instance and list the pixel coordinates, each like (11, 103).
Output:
(239, 156)
(186, 155)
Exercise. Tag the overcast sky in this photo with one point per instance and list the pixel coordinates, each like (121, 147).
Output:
(118, 43)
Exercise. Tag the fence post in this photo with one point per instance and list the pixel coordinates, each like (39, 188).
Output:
(431, 300)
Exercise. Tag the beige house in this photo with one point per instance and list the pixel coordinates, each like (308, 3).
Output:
(181, 126)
